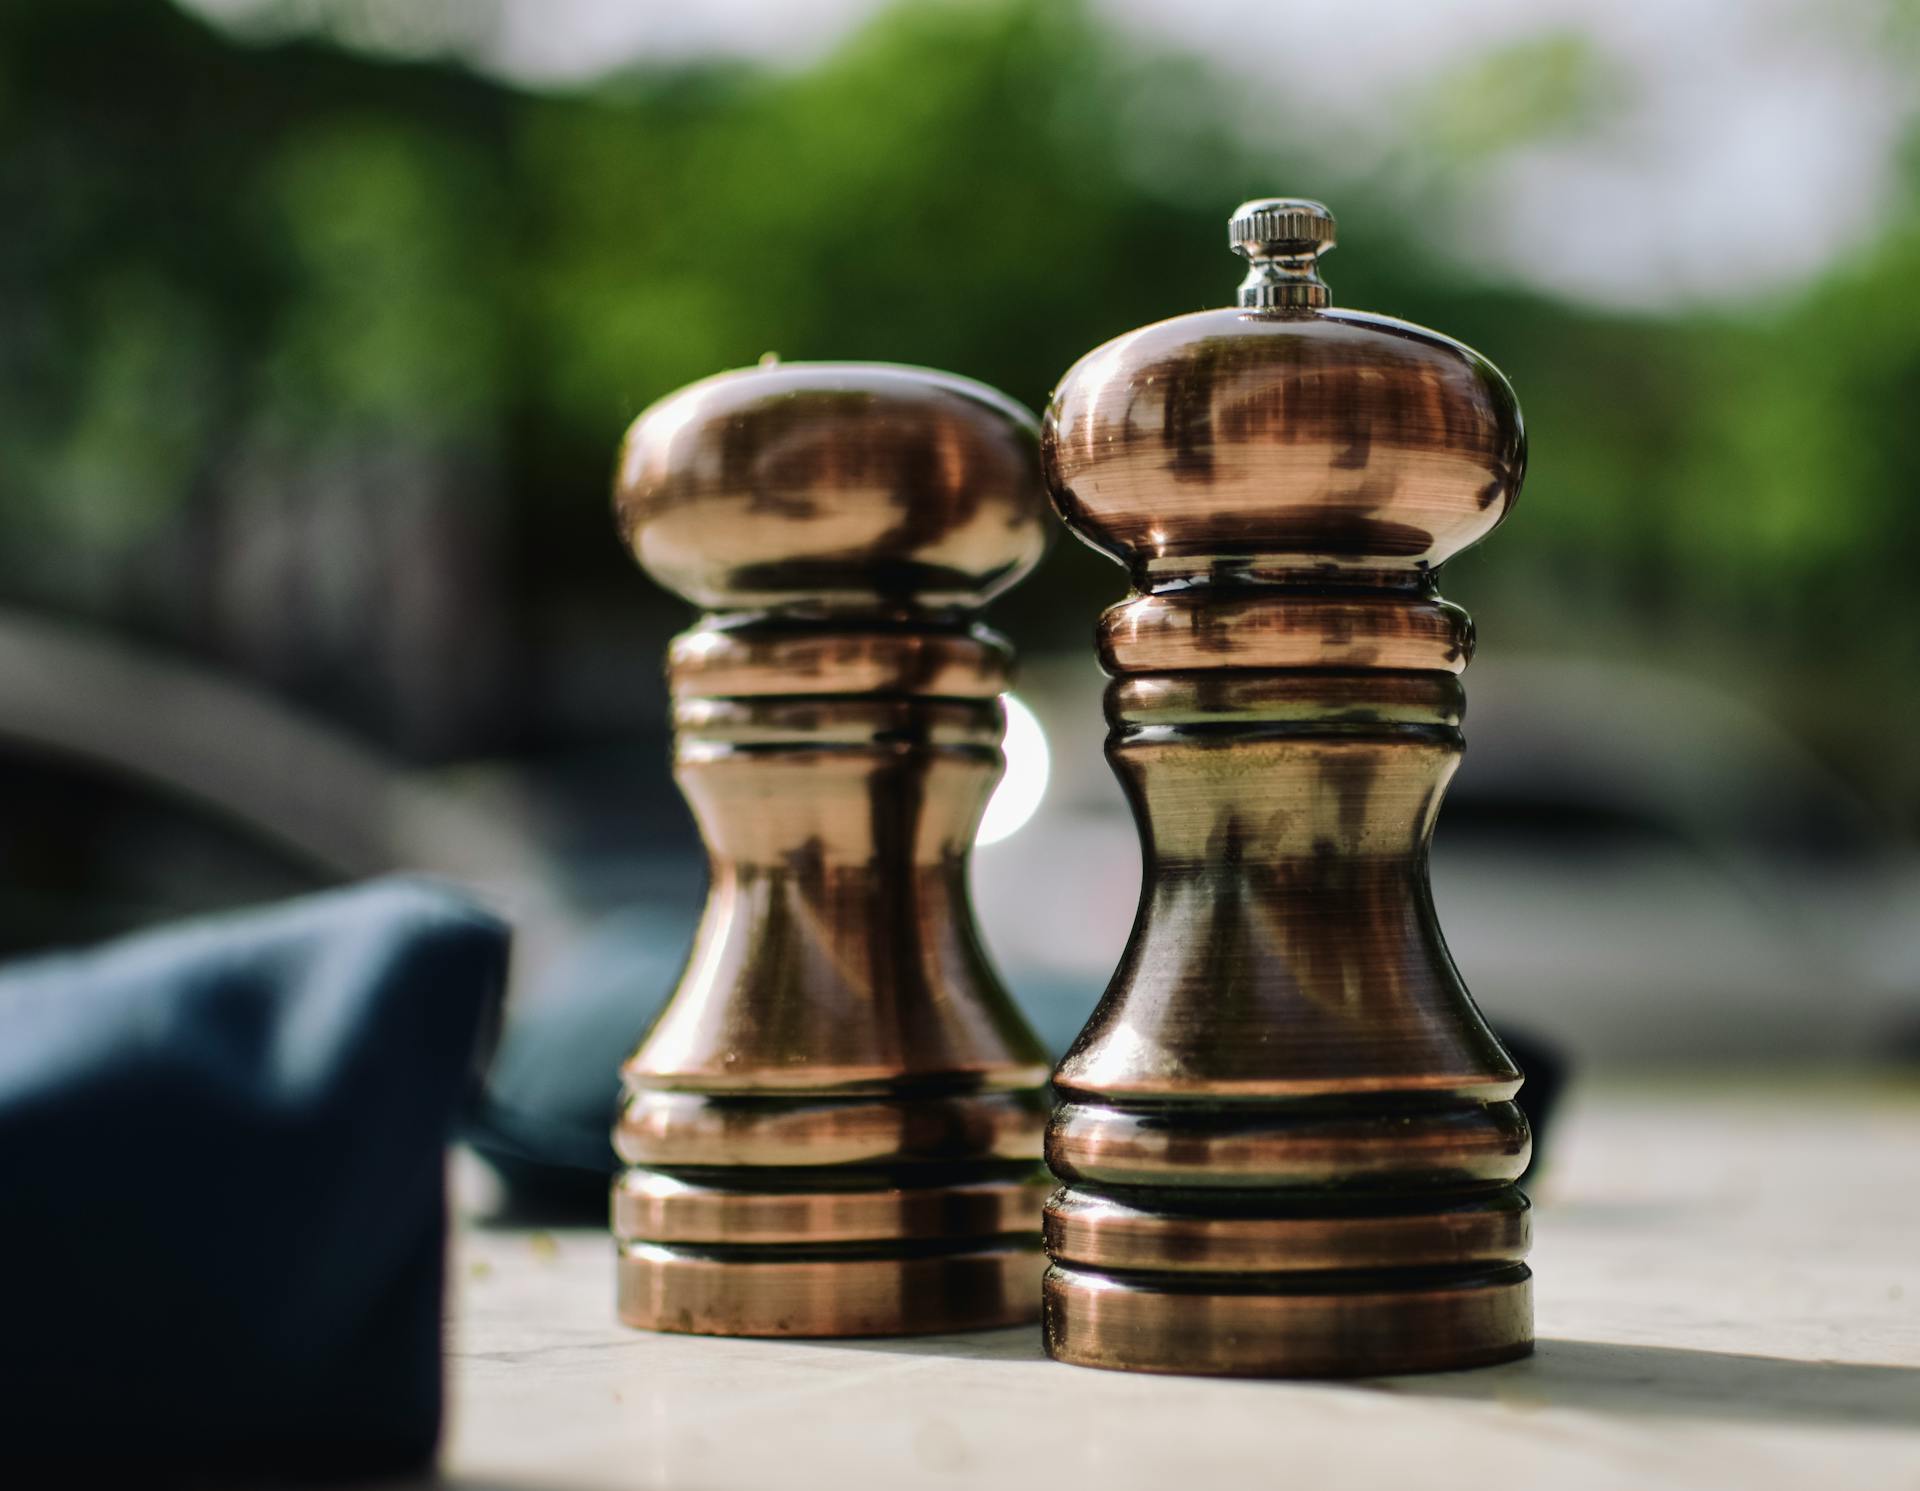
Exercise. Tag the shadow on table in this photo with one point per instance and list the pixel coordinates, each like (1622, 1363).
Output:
(1593, 1376)
(1600, 1377)
(1012, 1343)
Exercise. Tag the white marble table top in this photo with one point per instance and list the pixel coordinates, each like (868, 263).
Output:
(1727, 1294)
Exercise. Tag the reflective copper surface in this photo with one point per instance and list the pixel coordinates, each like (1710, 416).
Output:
(826, 485)
(1286, 1139)
(834, 1126)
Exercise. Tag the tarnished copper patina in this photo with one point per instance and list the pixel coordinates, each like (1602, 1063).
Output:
(1286, 1139)
(834, 1126)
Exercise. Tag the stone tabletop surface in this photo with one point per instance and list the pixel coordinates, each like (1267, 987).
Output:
(1727, 1294)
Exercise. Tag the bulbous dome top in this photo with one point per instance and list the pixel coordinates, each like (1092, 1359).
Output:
(831, 487)
(1282, 435)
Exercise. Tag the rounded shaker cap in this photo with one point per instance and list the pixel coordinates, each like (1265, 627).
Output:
(1281, 436)
(825, 487)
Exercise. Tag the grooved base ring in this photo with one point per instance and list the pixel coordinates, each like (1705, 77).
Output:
(993, 1283)
(1358, 1327)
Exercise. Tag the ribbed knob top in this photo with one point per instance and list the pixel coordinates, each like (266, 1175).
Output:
(1281, 238)
(1268, 226)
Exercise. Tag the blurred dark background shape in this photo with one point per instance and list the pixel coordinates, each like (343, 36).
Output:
(320, 320)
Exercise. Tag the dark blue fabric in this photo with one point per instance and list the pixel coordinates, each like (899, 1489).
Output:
(222, 1193)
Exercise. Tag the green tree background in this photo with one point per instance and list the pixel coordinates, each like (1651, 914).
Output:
(313, 364)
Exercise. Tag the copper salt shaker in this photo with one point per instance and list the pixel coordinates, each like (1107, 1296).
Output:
(1286, 1139)
(834, 1126)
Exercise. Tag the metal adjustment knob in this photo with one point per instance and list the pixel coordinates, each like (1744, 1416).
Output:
(1282, 238)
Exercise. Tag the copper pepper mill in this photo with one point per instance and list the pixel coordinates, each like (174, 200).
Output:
(834, 1126)
(1286, 1139)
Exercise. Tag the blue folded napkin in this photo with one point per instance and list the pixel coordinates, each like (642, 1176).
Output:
(222, 1193)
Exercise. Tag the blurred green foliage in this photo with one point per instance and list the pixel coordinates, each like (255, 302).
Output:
(225, 265)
